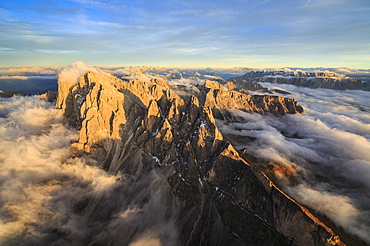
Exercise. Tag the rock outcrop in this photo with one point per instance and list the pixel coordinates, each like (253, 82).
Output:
(50, 96)
(219, 98)
(215, 196)
(313, 80)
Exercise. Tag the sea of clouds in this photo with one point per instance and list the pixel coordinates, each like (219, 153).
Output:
(47, 198)
(326, 151)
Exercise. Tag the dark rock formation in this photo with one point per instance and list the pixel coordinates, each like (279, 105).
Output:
(50, 96)
(215, 197)
(7, 94)
(246, 85)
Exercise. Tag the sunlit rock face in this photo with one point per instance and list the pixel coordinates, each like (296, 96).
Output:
(218, 97)
(214, 197)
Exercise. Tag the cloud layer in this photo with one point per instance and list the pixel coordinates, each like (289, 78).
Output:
(326, 152)
(48, 199)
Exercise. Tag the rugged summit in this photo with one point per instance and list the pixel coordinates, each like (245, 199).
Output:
(313, 80)
(141, 126)
(217, 97)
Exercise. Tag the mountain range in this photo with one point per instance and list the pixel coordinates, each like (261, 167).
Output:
(313, 80)
(142, 128)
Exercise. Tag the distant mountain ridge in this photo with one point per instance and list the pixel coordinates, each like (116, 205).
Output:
(313, 80)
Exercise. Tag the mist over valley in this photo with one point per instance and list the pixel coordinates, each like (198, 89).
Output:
(139, 160)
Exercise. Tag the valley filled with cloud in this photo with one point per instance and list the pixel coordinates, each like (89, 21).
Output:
(323, 156)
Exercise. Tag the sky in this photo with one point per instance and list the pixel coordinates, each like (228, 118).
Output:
(191, 33)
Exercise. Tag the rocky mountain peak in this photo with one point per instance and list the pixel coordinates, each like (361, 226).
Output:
(136, 126)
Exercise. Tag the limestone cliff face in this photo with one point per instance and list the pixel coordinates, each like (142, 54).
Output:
(221, 98)
(216, 198)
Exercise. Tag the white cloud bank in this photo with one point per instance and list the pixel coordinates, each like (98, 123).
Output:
(71, 73)
(48, 199)
(327, 150)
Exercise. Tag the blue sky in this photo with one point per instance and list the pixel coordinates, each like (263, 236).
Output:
(195, 33)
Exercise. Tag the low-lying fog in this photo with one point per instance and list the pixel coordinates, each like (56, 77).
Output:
(326, 150)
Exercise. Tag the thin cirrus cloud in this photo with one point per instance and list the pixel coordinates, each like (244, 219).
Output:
(314, 32)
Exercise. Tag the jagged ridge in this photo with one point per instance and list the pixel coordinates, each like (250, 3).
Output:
(216, 197)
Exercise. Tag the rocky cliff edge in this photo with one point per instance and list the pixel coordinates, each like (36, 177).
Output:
(216, 198)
